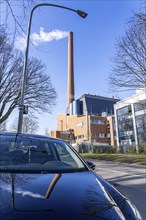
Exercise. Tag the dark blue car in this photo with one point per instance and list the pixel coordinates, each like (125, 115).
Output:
(43, 178)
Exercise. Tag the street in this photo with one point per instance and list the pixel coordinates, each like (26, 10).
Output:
(129, 179)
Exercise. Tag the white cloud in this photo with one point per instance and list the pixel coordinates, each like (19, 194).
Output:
(42, 37)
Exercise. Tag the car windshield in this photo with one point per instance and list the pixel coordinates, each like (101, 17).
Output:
(28, 153)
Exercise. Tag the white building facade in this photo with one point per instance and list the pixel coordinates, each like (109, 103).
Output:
(130, 119)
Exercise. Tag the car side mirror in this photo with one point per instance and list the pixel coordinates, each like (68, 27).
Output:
(91, 165)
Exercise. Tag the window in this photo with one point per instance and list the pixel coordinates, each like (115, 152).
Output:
(98, 122)
(102, 135)
(122, 111)
(26, 152)
(140, 106)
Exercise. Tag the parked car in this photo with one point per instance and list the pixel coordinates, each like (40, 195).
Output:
(45, 178)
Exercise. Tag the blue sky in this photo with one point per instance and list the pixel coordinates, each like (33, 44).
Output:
(94, 46)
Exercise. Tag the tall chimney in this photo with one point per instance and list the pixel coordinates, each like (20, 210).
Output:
(70, 97)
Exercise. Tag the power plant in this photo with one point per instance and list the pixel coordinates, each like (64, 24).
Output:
(88, 118)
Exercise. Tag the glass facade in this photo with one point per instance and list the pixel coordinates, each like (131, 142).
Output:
(130, 118)
(140, 119)
(126, 122)
(140, 106)
(125, 125)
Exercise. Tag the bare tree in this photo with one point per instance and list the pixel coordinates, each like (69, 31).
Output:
(9, 12)
(40, 96)
(129, 62)
(30, 125)
(3, 126)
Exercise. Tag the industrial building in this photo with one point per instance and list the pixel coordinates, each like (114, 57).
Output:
(89, 118)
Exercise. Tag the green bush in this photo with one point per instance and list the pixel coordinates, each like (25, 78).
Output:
(83, 148)
(132, 150)
(142, 149)
(100, 149)
(104, 149)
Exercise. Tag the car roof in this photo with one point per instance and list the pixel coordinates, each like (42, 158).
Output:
(28, 135)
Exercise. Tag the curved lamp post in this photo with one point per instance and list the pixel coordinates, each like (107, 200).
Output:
(22, 106)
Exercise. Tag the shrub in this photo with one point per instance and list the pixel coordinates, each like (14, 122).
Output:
(104, 149)
(83, 148)
(132, 150)
(142, 149)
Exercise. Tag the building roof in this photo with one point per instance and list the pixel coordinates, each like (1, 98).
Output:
(136, 98)
(96, 105)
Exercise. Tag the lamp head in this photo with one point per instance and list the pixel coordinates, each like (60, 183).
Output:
(82, 13)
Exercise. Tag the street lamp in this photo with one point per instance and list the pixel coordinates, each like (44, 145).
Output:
(22, 106)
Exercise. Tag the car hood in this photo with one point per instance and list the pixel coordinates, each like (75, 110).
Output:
(55, 196)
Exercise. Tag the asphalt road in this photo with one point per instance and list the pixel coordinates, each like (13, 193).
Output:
(129, 179)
